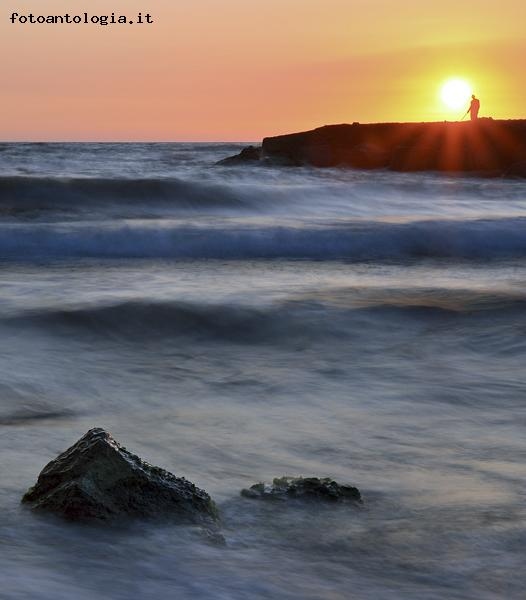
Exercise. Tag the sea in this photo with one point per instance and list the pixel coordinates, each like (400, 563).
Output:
(236, 324)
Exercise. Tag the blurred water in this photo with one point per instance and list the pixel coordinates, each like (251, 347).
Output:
(233, 325)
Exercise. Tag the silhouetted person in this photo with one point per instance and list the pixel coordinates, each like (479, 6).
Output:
(474, 108)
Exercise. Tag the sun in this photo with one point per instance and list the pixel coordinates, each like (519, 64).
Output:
(455, 93)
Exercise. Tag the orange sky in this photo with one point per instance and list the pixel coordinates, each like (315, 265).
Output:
(240, 70)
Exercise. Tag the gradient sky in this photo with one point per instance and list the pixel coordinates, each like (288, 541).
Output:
(240, 70)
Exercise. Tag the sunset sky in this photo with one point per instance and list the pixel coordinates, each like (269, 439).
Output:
(240, 70)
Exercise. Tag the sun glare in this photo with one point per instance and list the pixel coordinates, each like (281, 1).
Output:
(455, 93)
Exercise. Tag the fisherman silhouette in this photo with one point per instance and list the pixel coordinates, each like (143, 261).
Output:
(474, 107)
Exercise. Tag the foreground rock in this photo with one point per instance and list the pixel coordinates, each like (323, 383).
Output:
(98, 479)
(304, 488)
(485, 147)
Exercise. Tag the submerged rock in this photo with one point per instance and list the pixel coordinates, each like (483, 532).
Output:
(304, 488)
(98, 479)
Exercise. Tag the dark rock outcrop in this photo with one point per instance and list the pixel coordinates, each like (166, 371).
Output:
(517, 169)
(485, 147)
(248, 154)
(98, 479)
(304, 488)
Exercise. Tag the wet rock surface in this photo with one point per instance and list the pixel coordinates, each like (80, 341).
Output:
(98, 479)
(517, 169)
(304, 488)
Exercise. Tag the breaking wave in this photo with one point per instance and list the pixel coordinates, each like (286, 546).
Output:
(20, 194)
(296, 319)
(358, 241)
(139, 319)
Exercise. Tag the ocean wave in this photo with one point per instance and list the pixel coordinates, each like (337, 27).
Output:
(143, 319)
(20, 194)
(334, 314)
(357, 241)
(415, 300)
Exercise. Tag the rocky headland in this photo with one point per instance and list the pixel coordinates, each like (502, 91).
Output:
(486, 147)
